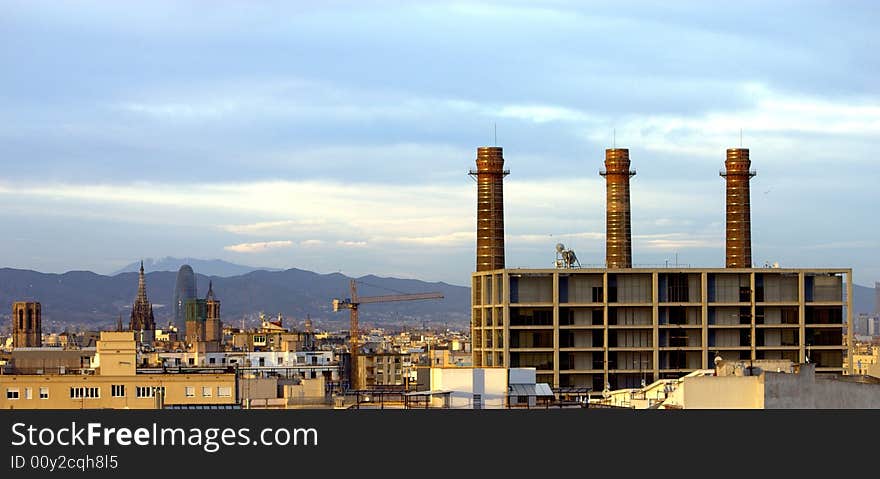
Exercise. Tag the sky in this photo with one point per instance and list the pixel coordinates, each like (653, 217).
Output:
(336, 136)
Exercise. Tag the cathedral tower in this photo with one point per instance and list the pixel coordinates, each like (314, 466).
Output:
(142, 310)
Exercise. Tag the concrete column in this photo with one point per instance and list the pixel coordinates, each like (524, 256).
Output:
(483, 329)
(556, 329)
(505, 301)
(476, 353)
(752, 295)
(849, 321)
(605, 326)
(704, 301)
(802, 315)
(655, 317)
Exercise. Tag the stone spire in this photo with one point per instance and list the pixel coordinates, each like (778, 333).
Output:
(142, 286)
(210, 296)
(142, 311)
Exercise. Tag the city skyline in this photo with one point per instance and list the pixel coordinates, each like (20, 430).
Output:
(321, 138)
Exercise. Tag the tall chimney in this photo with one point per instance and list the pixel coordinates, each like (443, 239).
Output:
(739, 223)
(618, 234)
(489, 174)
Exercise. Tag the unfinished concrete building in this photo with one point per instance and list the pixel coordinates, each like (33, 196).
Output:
(616, 328)
(619, 326)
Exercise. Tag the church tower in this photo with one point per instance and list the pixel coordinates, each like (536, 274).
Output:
(26, 324)
(142, 310)
(213, 326)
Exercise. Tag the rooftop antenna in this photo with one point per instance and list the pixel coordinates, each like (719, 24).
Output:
(614, 138)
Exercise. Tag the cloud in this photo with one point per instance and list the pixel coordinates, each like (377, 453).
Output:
(549, 238)
(186, 111)
(772, 117)
(858, 244)
(275, 227)
(311, 242)
(678, 241)
(259, 247)
(351, 244)
(452, 239)
(543, 113)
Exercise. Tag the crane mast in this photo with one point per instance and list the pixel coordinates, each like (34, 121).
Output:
(353, 303)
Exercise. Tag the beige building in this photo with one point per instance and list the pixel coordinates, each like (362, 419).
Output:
(767, 384)
(441, 358)
(278, 393)
(383, 369)
(799, 388)
(112, 381)
(864, 357)
(268, 340)
(624, 328)
(47, 360)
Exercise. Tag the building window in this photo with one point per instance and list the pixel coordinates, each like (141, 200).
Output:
(117, 390)
(280, 361)
(85, 393)
(212, 360)
(224, 392)
(191, 361)
(28, 393)
(148, 391)
(44, 393)
(206, 391)
(11, 393)
(190, 391)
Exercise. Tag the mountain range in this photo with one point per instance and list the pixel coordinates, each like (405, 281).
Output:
(209, 267)
(84, 299)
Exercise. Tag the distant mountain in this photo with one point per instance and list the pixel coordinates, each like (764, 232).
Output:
(863, 299)
(210, 267)
(92, 300)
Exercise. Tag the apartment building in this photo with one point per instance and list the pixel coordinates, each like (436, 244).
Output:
(384, 369)
(112, 381)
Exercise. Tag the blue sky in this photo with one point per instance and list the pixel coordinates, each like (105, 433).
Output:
(336, 136)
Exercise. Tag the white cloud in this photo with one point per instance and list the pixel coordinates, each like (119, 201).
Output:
(351, 244)
(538, 238)
(451, 239)
(543, 113)
(274, 227)
(180, 110)
(678, 241)
(858, 244)
(772, 118)
(258, 247)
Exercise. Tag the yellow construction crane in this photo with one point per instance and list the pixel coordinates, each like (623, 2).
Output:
(354, 302)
